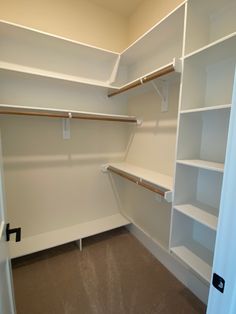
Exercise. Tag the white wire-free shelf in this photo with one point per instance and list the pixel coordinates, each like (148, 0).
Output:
(163, 72)
(28, 50)
(154, 181)
(200, 212)
(50, 239)
(205, 109)
(203, 164)
(193, 261)
(30, 71)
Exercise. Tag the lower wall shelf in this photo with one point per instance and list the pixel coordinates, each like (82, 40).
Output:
(57, 237)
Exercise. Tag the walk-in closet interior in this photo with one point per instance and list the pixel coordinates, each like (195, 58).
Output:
(97, 136)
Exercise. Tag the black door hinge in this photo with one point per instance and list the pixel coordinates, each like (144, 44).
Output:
(9, 231)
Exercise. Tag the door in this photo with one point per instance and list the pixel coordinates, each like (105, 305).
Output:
(6, 292)
(224, 302)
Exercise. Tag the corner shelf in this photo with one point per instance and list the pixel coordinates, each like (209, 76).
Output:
(47, 240)
(203, 164)
(68, 114)
(155, 48)
(193, 261)
(154, 181)
(200, 212)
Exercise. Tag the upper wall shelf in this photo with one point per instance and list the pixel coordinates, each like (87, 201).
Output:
(25, 70)
(54, 56)
(156, 48)
(28, 51)
(173, 67)
(151, 180)
(56, 113)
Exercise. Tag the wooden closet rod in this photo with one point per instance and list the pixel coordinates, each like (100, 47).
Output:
(70, 115)
(136, 180)
(168, 69)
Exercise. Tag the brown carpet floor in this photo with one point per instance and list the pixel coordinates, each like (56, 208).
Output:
(114, 274)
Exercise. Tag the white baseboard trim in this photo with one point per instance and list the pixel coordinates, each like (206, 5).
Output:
(186, 276)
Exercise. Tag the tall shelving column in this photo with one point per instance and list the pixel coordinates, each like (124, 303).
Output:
(206, 96)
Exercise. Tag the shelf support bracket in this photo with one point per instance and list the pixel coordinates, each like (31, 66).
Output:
(163, 93)
(79, 244)
(66, 126)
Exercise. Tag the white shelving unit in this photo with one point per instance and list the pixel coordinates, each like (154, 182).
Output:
(42, 74)
(205, 106)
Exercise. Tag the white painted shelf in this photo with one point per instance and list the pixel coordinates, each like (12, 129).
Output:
(50, 239)
(140, 175)
(203, 164)
(39, 111)
(193, 261)
(211, 45)
(200, 212)
(166, 71)
(203, 109)
(169, 27)
(25, 70)
(28, 50)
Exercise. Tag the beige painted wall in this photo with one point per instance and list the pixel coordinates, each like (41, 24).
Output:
(148, 13)
(80, 20)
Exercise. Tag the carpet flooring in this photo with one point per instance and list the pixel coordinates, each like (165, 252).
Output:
(114, 274)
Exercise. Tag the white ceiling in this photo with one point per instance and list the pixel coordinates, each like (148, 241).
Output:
(122, 7)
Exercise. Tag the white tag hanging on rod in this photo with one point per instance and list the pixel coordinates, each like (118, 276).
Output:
(163, 93)
(66, 127)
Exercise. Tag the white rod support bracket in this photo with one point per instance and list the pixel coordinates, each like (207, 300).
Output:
(115, 71)
(168, 196)
(104, 168)
(66, 126)
(178, 65)
(163, 93)
(139, 122)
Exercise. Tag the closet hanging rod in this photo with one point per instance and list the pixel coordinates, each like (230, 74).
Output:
(136, 180)
(166, 70)
(71, 115)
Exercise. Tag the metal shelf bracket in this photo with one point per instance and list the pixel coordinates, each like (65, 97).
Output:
(163, 92)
